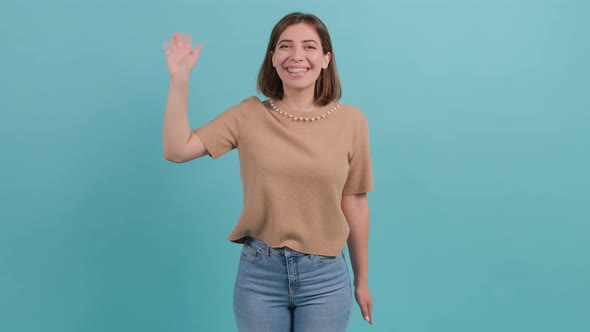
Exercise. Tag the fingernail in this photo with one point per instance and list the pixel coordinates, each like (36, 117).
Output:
(367, 319)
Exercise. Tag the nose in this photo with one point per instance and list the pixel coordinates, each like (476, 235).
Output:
(297, 53)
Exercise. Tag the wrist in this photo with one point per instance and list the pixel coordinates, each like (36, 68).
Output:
(361, 282)
(179, 80)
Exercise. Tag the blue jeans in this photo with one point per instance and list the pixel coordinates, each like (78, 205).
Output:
(283, 290)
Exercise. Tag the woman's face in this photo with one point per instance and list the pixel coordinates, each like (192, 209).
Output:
(299, 57)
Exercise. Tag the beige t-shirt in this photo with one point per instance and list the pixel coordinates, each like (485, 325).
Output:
(294, 173)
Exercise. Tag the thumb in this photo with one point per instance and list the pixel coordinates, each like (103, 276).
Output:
(194, 55)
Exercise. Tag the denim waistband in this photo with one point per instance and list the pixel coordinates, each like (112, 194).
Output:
(281, 251)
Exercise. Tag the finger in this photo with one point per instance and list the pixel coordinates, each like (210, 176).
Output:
(166, 49)
(365, 312)
(187, 41)
(175, 41)
(370, 309)
(181, 41)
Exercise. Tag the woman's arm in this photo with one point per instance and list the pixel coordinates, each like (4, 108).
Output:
(356, 211)
(180, 144)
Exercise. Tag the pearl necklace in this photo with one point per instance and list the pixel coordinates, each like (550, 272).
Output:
(302, 118)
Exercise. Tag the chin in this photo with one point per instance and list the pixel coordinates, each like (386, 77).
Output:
(299, 85)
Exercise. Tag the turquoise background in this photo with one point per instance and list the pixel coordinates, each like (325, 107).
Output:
(479, 123)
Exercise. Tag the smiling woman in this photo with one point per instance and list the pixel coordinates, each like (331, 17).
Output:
(305, 181)
(299, 59)
(300, 47)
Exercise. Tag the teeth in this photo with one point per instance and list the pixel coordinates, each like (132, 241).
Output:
(297, 70)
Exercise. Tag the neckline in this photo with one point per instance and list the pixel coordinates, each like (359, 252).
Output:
(315, 113)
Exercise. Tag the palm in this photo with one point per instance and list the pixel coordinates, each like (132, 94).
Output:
(180, 56)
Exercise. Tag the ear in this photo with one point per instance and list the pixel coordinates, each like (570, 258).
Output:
(272, 59)
(327, 58)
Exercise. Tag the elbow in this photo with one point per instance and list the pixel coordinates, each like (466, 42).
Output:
(172, 152)
(173, 157)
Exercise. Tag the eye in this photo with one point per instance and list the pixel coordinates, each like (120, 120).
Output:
(284, 46)
(310, 47)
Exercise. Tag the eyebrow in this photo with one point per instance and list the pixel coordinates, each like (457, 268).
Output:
(290, 41)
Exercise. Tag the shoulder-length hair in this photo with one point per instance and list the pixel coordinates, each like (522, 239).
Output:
(327, 86)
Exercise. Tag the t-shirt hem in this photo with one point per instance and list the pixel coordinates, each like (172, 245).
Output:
(294, 246)
(355, 192)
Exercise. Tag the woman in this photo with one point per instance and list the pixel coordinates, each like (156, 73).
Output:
(305, 167)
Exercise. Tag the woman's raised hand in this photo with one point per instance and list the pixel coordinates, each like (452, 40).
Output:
(180, 56)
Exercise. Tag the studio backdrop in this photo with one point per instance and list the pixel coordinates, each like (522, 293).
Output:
(479, 130)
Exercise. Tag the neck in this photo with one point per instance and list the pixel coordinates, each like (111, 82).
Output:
(299, 100)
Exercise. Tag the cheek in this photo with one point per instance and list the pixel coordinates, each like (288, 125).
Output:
(317, 59)
(278, 59)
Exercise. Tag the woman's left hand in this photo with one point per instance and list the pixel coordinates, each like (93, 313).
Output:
(365, 302)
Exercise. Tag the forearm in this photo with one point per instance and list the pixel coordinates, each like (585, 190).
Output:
(176, 130)
(356, 211)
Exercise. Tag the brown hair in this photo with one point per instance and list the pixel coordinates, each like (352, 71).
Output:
(327, 86)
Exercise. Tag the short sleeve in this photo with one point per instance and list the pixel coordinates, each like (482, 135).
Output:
(222, 134)
(360, 173)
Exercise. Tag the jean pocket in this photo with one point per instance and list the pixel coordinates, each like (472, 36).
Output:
(250, 253)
